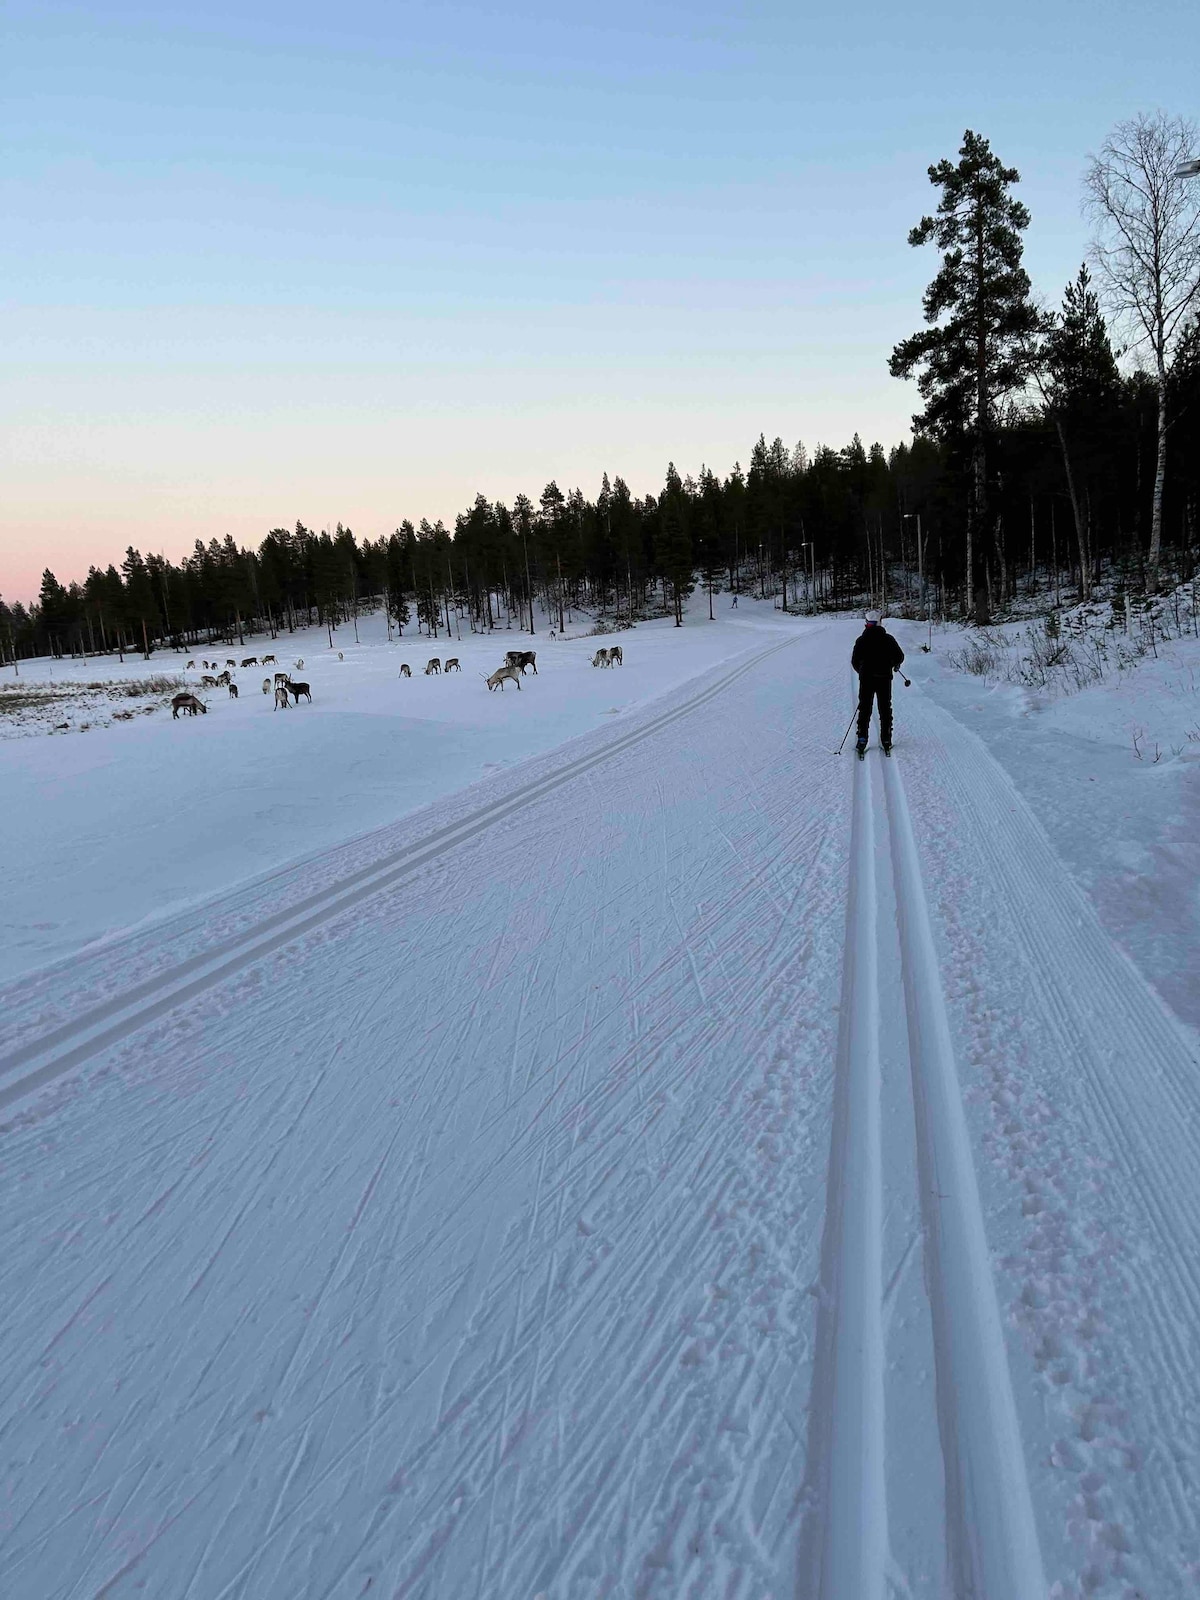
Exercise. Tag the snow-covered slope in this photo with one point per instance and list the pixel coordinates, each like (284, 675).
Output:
(109, 824)
(532, 1198)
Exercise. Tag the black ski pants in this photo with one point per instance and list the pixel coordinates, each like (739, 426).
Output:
(878, 690)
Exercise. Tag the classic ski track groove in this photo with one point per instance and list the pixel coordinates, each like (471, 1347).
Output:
(992, 1545)
(156, 996)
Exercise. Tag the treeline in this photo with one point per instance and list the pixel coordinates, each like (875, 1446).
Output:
(1040, 464)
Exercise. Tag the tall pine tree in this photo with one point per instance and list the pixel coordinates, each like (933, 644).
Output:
(975, 350)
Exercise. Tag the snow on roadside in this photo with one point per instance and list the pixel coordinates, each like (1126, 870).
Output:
(133, 820)
(1112, 769)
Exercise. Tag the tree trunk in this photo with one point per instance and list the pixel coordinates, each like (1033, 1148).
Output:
(1160, 473)
(1081, 529)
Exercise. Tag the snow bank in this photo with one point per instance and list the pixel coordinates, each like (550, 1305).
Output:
(1112, 769)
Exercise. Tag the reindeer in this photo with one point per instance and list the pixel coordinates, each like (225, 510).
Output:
(282, 677)
(266, 660)
(281, 696)
(615, 658)
(232, 663)
(451, 664)
(300, 664)
(432, 665)
(600, 659)
(522, 659)
(224, 679)
(266, 685)
(299, 689)
(505, 674)
(188, 703)
(341, 657)
(191, 667)
(251, 661)
(232, 687)
(207, 681)
(405, 670)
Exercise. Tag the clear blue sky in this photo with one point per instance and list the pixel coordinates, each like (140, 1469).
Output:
(357, 262)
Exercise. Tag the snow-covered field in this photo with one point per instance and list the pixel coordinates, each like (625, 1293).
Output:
(108, 824)
(676, 1162)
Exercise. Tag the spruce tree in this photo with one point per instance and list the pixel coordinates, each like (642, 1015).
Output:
(1081, 388)
(975, 350)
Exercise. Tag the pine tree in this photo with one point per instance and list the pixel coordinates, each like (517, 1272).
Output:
(1081, 390)
(975, 350)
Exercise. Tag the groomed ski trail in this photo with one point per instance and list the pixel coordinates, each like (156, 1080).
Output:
(30, 1065)
(494, 1234)
(991, 1542)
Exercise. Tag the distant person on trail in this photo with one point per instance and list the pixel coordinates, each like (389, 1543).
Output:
(876, 656)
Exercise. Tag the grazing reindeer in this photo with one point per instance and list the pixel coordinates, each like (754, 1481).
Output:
(188, 703)
(299, 689)
(233, 663)
(281, 698)
(191, 667)
(451, 664)
(300, 663)
(207, 681)
(432, 665)
(281, 677)
(251, 661)
(502, 675)
(341, 657)
(232, 687)
(615, 658)
(266, 685)
(265, 660)
(522, 659)
(600, 659)
(225, 678)
(405, 670)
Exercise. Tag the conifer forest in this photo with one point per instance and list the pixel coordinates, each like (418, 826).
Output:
(1058, 448)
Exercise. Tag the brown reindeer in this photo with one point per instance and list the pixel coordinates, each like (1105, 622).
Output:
(267, 660)
(251, 661)
(299, 689)
(432, 665)
(600, 659)
(232, 687)
(405, 670)
(281, 677)
(615, 658)
(522, 659)
(188, 703)
(505, 674)
(207, 681)
(190, 666)
(451, 664)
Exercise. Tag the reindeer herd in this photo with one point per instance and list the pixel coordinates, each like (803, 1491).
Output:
(289, 692)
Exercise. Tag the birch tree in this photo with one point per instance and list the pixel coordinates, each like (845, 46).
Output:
(1147, 252)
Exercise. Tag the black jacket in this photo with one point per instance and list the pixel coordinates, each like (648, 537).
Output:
(876, 653)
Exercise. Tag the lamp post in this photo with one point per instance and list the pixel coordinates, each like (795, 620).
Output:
(807, 544)
(1188, 169)
(906, 517)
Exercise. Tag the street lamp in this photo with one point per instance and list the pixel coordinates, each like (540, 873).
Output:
(1189, 169)
(807, 544)
(908, 516)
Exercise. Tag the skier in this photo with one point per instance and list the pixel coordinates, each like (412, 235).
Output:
(876, 656)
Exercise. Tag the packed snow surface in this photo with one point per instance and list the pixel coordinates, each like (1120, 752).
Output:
(679, 1162)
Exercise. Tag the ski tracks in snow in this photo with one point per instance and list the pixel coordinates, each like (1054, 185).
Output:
(991, 1545)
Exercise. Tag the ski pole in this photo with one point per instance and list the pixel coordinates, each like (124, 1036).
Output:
(907, 681)
(846, 735)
